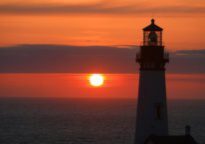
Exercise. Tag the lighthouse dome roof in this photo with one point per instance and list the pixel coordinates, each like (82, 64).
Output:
(152, 27)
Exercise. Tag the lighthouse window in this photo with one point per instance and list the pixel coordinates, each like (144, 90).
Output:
(158, 111)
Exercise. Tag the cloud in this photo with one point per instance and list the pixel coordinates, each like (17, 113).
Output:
(191, 52)
(100, 8)
(88, 59)
(187, 61)
(73, 59)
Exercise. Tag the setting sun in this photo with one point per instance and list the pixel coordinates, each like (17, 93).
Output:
(96, 80)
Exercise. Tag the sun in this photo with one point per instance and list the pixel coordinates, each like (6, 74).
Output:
(96, 80)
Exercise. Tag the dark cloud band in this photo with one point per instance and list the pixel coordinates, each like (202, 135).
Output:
(86, 59)
(99, 8)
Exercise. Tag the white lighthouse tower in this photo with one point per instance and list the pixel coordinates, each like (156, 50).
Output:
(152, 107)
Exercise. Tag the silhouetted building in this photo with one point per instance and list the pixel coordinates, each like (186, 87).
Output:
(152, 119)
(170, 140)
(181, 139)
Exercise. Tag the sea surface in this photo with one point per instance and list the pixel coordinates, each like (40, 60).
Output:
(87, 121)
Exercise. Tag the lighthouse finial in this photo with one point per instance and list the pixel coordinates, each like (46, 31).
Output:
(152, 21)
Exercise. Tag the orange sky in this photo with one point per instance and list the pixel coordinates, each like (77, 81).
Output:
(101, 22)
(179, 86)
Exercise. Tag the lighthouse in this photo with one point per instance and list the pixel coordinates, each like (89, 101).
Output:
(152, 106)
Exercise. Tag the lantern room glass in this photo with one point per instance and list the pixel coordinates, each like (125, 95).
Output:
(152, 38)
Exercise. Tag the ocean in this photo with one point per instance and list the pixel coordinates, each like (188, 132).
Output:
(89, 120)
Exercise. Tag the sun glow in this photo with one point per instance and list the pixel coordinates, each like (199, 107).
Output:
(96, 80)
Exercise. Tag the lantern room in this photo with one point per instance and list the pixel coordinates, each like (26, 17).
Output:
(152, 35)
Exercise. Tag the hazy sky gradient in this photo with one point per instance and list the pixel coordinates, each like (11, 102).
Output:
(101, 22)
(77, 85)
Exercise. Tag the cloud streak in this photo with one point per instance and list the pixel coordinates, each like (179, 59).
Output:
(88, 59)
(99, 8)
